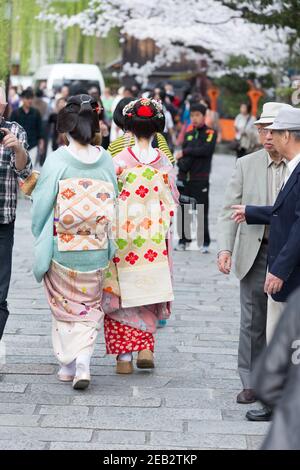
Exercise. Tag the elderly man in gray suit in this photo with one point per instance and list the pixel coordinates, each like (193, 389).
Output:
(256, 180)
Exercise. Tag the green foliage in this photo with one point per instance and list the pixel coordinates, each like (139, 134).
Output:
(25, 33)
(284, 93)
(234, 87)
(237, 61)
(111, 81)
(233, 92)
(277, 13)
(5, 28)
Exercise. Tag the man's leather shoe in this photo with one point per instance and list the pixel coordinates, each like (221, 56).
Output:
(265, 414)
(246, 396)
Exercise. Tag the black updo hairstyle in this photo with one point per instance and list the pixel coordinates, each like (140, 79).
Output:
(144, 119)
(79, 118)
(118, 112)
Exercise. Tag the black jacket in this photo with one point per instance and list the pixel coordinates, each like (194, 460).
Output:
(277, 379)
(31, 122)
(198, 148)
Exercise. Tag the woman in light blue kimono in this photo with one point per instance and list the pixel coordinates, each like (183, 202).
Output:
(73, 207)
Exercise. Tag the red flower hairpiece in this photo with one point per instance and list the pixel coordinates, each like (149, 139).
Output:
(145, 111)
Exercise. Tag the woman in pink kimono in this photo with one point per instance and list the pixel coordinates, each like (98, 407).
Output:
(138, 288)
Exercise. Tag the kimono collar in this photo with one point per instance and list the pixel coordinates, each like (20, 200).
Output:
(145, 156)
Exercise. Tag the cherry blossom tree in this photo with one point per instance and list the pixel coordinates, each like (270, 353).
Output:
(194, 29)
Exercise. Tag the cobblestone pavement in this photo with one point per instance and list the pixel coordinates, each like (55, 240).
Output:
(188, 401)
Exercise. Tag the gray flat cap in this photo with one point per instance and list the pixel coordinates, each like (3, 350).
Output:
(288, 119)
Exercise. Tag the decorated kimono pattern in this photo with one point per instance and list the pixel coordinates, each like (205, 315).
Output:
(140, 269)
(84, 214)
(122, 339)
(75, 296)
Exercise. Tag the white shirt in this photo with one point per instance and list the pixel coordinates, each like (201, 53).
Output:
(291, 167)
(169, 124)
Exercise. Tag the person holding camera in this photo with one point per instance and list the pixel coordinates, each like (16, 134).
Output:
(14, 163)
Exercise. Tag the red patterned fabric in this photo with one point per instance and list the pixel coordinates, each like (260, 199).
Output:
(121, 338)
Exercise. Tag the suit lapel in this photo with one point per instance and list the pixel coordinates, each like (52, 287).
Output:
(287, 188)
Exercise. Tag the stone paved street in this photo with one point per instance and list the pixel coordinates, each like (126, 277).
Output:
(187, 402)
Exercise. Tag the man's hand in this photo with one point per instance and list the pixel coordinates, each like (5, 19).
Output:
(178, 154)
(239, 214)
(224, 262)
(272, 284)
(10, 141)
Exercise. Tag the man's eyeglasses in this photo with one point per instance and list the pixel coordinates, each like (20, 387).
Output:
(264, 130)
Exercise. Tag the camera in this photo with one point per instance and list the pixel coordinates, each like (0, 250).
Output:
(2, 135)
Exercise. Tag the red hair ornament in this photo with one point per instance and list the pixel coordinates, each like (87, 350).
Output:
(145, 111)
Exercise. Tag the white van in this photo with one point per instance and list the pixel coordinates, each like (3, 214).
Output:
(79, 76)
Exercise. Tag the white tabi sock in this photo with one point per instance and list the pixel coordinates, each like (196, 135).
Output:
(83, 364)
(68, 369)
(125, 357)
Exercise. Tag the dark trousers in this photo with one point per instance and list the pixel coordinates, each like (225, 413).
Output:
(41, 156)
(199, 190)
(6, 246)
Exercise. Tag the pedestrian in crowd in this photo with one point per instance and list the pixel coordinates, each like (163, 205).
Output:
(30, 119)
(212, 119)
(41, 104)
(127, 139)
(265, 171)
(135, 91)
(128, 92)
(169, 130)
(170, 92)
(116, 131)
(245, 132)
(73, 208)
(107, 99)
(194, 163)
(277, 380)
(65, 92)
(185, 120)
(14, 163)
(138, 288)
(57, 138)
(13, 99)
(103, 124)
(43, 86)
(283, 275)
